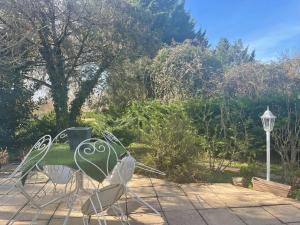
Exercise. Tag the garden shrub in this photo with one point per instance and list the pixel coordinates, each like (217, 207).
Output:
(187, 138)
(138, 117)
(97, 121)
(223, 131)
(174, 146)
(29, 133)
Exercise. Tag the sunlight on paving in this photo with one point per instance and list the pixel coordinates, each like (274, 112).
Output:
(186, 204)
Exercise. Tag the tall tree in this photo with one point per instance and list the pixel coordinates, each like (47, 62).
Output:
(130, 81)
(201, 39)
(65, 36)
(15, 94)
(185, 70)
(231, 54)
(170, 20)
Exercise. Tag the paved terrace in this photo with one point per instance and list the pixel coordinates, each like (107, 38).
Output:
(187, 204)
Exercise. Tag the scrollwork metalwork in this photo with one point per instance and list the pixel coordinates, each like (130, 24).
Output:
(36, 154)
(61, 137)
(87, 150)
(109, 137)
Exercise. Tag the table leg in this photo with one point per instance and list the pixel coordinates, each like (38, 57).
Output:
(79, 181)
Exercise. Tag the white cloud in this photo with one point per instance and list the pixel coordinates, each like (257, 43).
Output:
(268, 45)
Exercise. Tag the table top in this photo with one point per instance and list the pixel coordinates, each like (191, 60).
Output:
(60, 154)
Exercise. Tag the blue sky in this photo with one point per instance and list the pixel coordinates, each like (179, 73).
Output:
(271, 27)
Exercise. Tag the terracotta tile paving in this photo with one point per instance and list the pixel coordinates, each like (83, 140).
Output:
(256, 216)
(286, 213)
(186, 217)
(186, 204)
(224, 217)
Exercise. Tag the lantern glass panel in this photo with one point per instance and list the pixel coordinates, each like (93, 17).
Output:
(268, 120)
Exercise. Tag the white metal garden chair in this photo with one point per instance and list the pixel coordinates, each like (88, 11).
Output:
(126, 167)
(122, 174)
(101, 198)
(109, 137)
(24, 179)
(16, 180)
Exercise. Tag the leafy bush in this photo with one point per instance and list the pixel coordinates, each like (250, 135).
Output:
(97, 121)
(174, 146)
(16, 106)
(223, 129)
(138, 117)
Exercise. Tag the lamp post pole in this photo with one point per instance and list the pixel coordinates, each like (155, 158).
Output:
(268, 120)
(268, 155)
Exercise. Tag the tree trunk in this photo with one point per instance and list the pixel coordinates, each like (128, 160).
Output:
(85, 90)
(60, 99)
(55, 66)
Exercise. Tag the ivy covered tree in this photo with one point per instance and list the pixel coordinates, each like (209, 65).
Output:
(65, 36)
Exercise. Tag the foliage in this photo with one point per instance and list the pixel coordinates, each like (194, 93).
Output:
(231, 54)
(156, 79)
(177, 72)
(169, 19)
(130, 81)
(224, 131)
(62, 37)
(15, 94)
(253, 80)
(97, 121)
(183, 71)
(37, 128)
(296, 194)
(138, 118)
(253, 108)
(181, 137)
(16, 106)
(248, 172)
(174, 145)
(287, 144)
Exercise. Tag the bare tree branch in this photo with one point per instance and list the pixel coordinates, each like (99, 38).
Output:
(38, 81)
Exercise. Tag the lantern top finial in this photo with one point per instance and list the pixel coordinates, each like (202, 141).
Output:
(268, 114)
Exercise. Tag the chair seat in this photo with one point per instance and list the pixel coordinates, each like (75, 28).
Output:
(102, 199)
(123, 171)
(59, 174)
